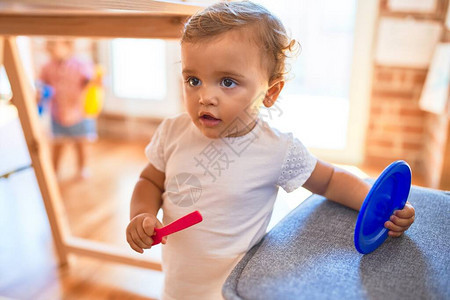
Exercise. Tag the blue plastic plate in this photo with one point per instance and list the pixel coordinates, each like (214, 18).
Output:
(389, 193)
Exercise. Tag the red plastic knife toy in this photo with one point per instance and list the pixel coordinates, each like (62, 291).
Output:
(177, 225)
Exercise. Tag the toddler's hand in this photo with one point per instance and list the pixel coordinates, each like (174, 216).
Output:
(400, 220)
(140, 232)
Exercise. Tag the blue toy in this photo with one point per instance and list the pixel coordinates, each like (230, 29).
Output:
(389, 193)
(45, 94)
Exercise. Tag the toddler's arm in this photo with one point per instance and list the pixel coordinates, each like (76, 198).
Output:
(345, 188)
(145, 204)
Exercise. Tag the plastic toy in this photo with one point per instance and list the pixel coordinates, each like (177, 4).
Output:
(45, 94)
(177, 225)
(94, 94)
(389, 193)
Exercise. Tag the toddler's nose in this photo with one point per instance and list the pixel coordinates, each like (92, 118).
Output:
(208, 97)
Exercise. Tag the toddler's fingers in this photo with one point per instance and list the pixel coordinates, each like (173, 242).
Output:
(395, 228)
(395, 234)
(407, 211)
(133, 244)
(137, 239)
(401, 222)
(145, 239)
(148, 225)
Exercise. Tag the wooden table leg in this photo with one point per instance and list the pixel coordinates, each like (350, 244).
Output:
(24, 100)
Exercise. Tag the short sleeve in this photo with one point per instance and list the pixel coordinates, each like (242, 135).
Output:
(155, 149)
(87, 70)
(297, 166)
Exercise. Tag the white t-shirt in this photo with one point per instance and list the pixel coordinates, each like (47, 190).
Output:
(233, 182)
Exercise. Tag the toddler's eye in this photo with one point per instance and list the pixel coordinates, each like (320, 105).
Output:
(227, 82)
(193, 81)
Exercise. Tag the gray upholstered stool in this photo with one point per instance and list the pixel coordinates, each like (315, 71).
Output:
(310, 255)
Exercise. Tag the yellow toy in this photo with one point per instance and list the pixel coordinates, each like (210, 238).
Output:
(94, 94)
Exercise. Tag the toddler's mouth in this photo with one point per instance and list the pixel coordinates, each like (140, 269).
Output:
(209, 120)
(208, 117)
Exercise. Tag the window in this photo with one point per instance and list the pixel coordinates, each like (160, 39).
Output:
(139, 69)
(325, 100)
(142, 77)
(5, 88)
(24, 47)
(317, 91)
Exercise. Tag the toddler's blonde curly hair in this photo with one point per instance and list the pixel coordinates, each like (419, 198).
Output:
(268, 31)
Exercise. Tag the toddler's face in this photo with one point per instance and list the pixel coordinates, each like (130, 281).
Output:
(59, 49)
(224, 83)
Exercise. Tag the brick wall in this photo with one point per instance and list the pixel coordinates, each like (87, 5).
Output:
(396, 122)
(436, 152)
(398, 128)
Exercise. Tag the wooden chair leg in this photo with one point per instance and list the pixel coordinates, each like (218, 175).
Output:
(24, 100)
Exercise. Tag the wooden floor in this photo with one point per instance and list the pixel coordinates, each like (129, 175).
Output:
(96, 209)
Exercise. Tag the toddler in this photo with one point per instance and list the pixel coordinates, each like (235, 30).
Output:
(223, 159)
(68, 77)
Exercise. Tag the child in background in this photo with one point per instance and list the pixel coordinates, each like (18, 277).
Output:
(223, 159)
(68, 76)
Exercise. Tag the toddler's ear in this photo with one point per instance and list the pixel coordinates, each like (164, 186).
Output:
(273, 92)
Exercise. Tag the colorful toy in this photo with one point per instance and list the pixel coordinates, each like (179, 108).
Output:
(389, 193)
(94, 94)
(45, 94)
(177, 225)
